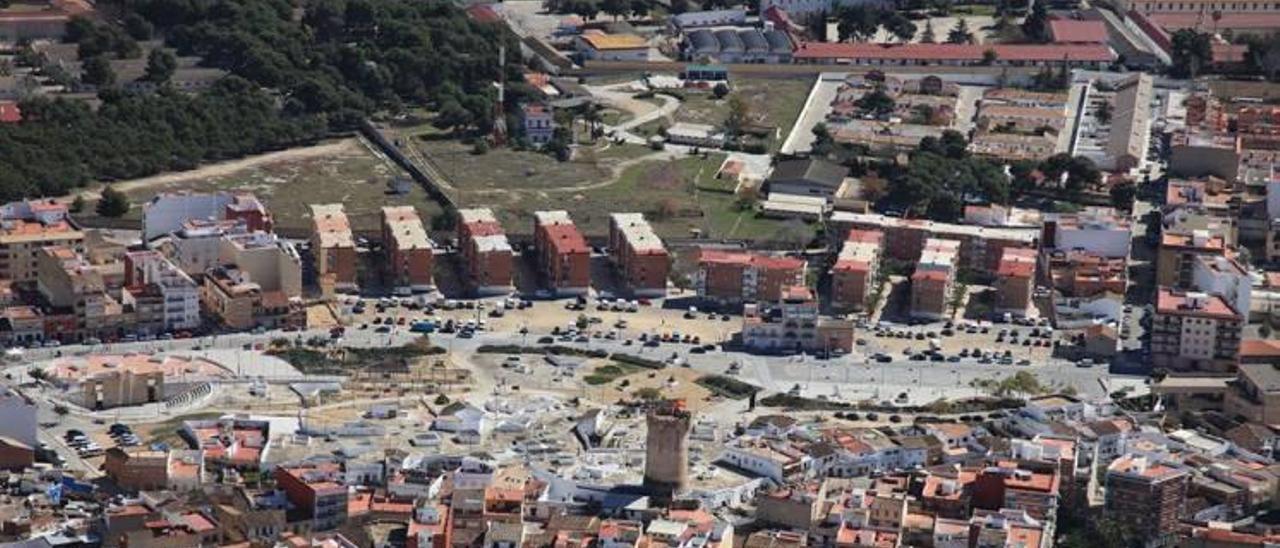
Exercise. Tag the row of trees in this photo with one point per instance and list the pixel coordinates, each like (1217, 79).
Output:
(295, 80)
(344, 58)
(590, 9)
(860, 23)
(63, 144)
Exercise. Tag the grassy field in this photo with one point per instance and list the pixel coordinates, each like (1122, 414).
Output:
(355, 177)
(509, 169)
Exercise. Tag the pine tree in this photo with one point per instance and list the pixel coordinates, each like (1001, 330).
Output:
(113, 203)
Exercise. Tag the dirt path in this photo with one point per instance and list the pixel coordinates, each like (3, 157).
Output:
(222, 169)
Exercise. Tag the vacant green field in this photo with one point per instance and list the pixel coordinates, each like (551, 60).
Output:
(355, 177)
(509, 169)
(666, 191)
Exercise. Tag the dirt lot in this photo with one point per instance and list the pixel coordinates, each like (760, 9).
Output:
(344, 171)
(775, 103)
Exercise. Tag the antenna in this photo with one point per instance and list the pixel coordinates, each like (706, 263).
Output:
(499, 114)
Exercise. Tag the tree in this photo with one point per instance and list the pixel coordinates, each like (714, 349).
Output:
(1104, 113)
(679, 6)
(616, 8)
(1036, 25)
(1123, 194)
(559, 145)
(857, 22)
(989, 56)
(77, 205)
(927, 37)
(739, 115)
(1191, 52)
(876, 102)
(138, 28)
(160, 66)
(113, 203)
(900, 27)
(1264, 55)
(961, 33)
(97, 72)
(720, 90)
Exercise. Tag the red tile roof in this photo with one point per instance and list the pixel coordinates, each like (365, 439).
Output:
(871, 236)
(1259, 348)
(752, 259)
(483, 13)
(1068, 30)
(1175, 21)
(1178, 303)
(566, 239)
(10, 113)
(955, 52)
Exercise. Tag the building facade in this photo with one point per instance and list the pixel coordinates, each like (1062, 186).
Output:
(856, 270)
(486, 253)
(738, 277)
(564, 258)
(333, 247)
(410, 252)
(1195, 331)
(638, 254)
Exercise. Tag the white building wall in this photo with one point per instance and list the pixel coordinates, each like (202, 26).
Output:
(1235, 287)
(167, 212)
(17, 418)
(1107, 242)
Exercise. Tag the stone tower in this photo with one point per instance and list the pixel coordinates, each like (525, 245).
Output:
(666, 461)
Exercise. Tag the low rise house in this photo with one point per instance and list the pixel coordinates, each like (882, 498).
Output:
(596, 45)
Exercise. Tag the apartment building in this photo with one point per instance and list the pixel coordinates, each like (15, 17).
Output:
(150, 275)
(231, 297)
(26, 228)
(1147, 494)
(1078, 273)
(1101, 231)
(791, 323)
(933, 279)
(487, 256)
(1224, 277)
(1178, 251)
(333, 247)
(317, 491)
(639, 255)
(564, 258)
(854, 273)
(1015, 281)
(74, 287)
(738, 277)
(268, 260)
(1195, 331)
(981, 247)
(410, 252)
